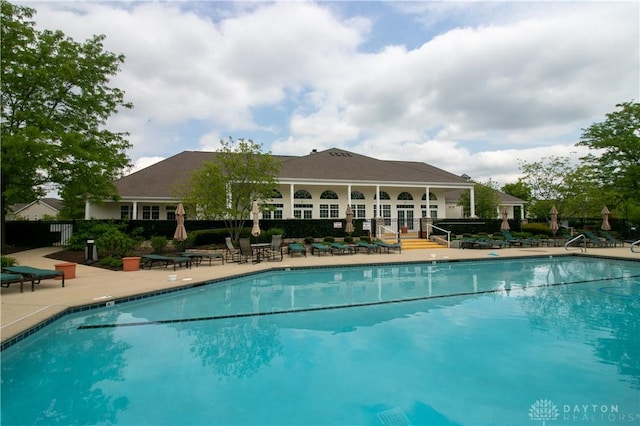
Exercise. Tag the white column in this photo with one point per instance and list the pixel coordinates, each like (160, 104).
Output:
(291, 200)
(428, 203)
(87, 210)
(134, 211)
(472, 202)
(349, 194)
(378, 201)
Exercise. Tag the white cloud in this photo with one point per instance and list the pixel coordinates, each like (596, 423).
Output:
(490, 82)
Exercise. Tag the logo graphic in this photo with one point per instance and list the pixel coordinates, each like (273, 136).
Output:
(544, 410)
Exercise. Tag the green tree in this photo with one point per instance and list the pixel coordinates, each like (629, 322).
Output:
(56, 100)
(546, 180)
(486, 200)
(616, 160)
(226, 187)
(583, 196)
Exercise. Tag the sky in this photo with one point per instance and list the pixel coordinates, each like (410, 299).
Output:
(471, 87)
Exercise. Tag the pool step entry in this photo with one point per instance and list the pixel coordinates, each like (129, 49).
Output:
(420, 244)
(394, 417)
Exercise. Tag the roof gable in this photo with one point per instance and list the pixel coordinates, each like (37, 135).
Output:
(338, 164)
(161, 179)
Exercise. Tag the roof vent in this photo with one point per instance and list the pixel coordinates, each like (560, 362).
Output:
(313, 151)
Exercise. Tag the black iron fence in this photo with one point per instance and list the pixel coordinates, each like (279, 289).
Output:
(57, 233)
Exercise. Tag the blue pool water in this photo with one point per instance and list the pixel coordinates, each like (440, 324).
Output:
(505, 342)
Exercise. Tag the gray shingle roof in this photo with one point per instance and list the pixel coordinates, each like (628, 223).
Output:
(160, 179)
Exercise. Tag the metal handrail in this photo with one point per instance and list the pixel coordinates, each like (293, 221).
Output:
(388, 230)
(444, 230)
(635, 244)
(582, 249)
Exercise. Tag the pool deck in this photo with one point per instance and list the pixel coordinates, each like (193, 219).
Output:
(22, 311)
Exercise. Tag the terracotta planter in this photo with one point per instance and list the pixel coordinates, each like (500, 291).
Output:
(404, 229)
(131, 263)
(69, 270)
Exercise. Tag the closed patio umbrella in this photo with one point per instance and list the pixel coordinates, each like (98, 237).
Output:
(349, 225)
(181, 231)
(255, 212)
(505, 219)
(553, 225)
(606, 226)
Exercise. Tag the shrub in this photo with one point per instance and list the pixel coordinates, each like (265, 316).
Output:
(309, 240)
(8, 261)
(348, 239)
(110, 261)
(115, 244)
(329, 240)
(537, 228)
(159, 244)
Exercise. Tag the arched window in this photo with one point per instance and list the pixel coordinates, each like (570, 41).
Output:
(404, 196)
(302, 194)
(383, 196)
(302, 210)
(432, 197)
(328, 195)
(329, 210)
(433, 207)
(357, 195)
(276, 194)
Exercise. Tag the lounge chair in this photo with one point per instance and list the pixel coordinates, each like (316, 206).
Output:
(199, 257)
(594, 241)
(275, 250)
(320, 248)
(8, 279)
(296, 248)
(149, 260)
(233, 254)
(35, 274)
(475, 243)
(521, 242)
(389, 246)
(368, 247)
(340, 248)
(613, 241)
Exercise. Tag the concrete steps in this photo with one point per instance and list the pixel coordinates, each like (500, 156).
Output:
(414, 244)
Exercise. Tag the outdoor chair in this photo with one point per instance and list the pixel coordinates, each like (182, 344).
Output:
(275, 250)
(232, 254)
(520, 242)
(594, 241)
(613, 241)
(246, 251)
(149, 260)
(320, 248)
(8, 279)
(296, 248)
(198, 257)
(340, 248)
(389, 246)
(35, 274)
(368, 247)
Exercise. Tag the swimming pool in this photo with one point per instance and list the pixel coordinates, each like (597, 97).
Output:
(449, 343)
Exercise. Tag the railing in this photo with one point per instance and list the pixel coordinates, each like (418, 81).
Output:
(429, 225)
(584, 240)
(386, 230)
(634, 246)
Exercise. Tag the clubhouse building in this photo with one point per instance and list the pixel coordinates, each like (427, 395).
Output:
(319, 185)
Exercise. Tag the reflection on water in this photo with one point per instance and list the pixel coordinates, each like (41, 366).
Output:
(508, 337)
